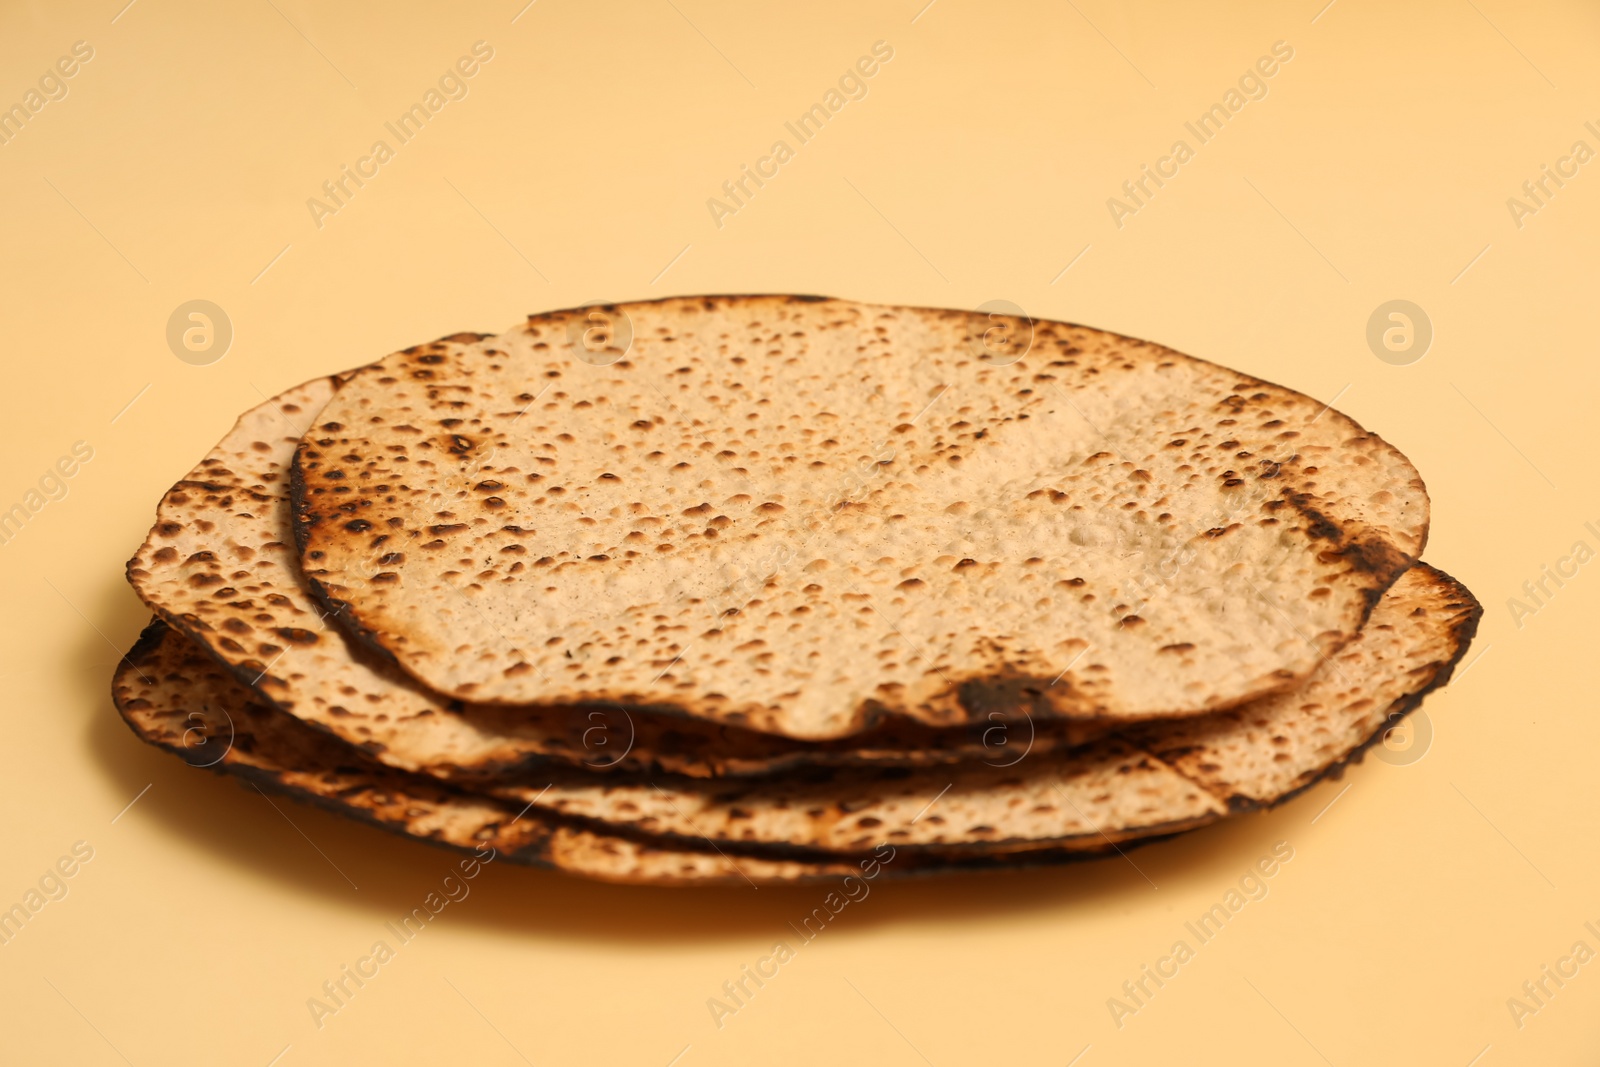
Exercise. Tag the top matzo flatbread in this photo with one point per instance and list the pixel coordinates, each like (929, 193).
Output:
(799, 515)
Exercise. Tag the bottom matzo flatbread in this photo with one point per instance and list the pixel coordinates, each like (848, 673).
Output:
(178, 698)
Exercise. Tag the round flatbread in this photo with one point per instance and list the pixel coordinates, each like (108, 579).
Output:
(801, 516)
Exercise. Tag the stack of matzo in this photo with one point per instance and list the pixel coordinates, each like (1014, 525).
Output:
(749, 588)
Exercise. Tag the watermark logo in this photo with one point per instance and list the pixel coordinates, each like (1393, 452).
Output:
(206, 743)
(738, 191)
(50, 886)
(1003, 334)
(452, 85)
(51, 487)
(1399, 332)
(1406, 739)
(1553, 577)
(338, 991)
(1537, 192)
(199, 332)
(1001, 747)
(738, 992)
(1252, 887)
(1252, 85)
(1539, 991)
(52, 87)
(601, 334)
(606, 739)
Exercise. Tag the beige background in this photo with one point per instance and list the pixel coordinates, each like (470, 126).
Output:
(977, 167)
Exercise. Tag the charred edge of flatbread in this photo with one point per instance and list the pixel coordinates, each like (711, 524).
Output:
(520, 769)
(541, 826)
(1064, 849)
(144, 647)
(1354, 545)
(1462, 630)
(338, 609)
(999, 852)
